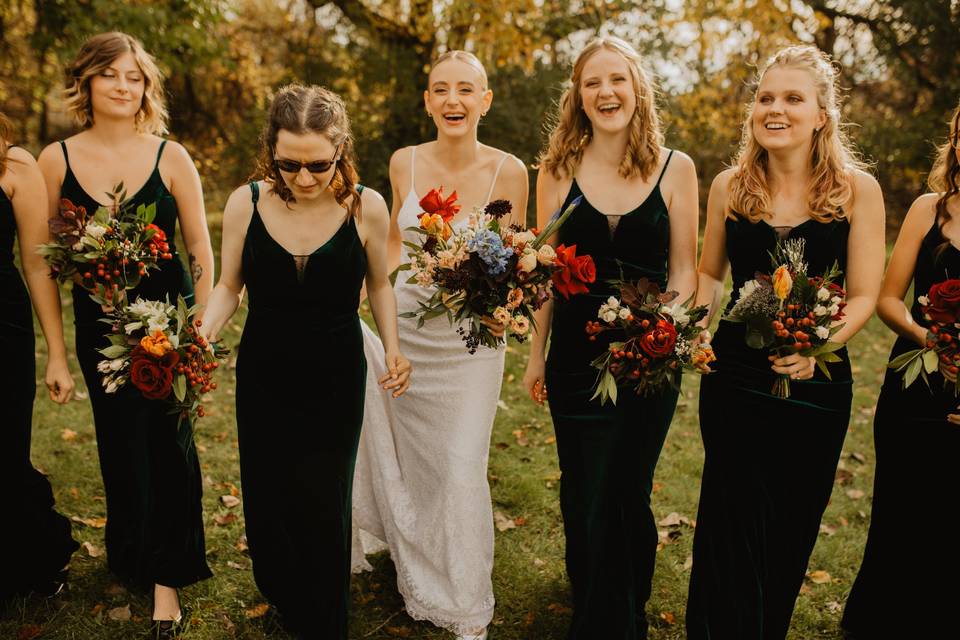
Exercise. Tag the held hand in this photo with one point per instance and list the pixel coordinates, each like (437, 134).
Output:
(794, 365)
(59, 381)
(398, 373)
(954, 418)
(534, 380)
(948, 371)
(704, 337)
(496, 328)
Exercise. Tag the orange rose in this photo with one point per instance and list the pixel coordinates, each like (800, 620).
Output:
(157, 344)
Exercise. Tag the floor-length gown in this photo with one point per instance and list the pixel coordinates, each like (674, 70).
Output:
(915, 484)
(300, 391)
(607, 453)
(151, 473)
(421, 482)
(770, 462)
(36, 537)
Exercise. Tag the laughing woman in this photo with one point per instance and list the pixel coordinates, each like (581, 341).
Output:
(38, 536)
(916, 430)
(151, 474)
(638, 219)
(770, 462)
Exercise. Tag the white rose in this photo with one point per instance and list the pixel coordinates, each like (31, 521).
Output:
(834, 309)
(624, 313)
(547, 256)
(613, 303)
(924, 300)
(822, 294)
(822, 332)
(835, 300)
(609, 316)
(528, 261)
(678, 313)
(95, 230)
(820, 310)
(748, 288)
(523, 237)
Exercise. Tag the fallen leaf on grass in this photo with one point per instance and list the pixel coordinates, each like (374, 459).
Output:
(521, 438)
(120, 614)
(529, 618)
(688, 563)
(68, 434)
(843, 476)
(258, 611)
(74, 492)
(827, 529)
(819, 577)
(29, 632)
(229, 501)
(224, 520)
(97, 609)
(235, 565)
(657, 486)
(559, 609)
(854, 494)
(115, 590)
(96, 523)
(502, 522)
(834, 607)
(668, 617)
(537, 562)
(501, 446)
(92, 550)
(519, 521)
(241, 545)
(550, 440)
(859, 457)
(399, 632)
(675, 519)
(80, 394)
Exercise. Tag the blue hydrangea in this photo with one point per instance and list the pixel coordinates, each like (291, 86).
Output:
(489, 246)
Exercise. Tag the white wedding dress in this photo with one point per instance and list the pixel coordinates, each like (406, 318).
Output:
(420, 487)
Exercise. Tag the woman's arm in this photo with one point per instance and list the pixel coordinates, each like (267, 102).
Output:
(714, 263)
(549, 199)
(225, 297)
(383, 303)
(515, 187)
(187, 191)
(899, 275)
(29, 197)
(865, 253)
(684, 208)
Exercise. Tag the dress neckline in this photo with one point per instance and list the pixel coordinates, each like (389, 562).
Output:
(136, 195)
(336, 233)
(655, 190)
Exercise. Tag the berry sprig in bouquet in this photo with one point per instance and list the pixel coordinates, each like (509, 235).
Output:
(155, 347)
(107, 252)
(489, 269)
(941, 309)
(790, 312)
(659, 340)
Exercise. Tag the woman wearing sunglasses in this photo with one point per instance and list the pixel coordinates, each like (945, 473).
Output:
(302, 240)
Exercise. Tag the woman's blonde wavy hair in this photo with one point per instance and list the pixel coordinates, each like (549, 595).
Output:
(96, 54)
(945, 176)
(833, 158)
(6, 127)
(302, 109)
(572, 130)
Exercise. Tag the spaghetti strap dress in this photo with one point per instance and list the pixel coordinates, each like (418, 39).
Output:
(151, 473)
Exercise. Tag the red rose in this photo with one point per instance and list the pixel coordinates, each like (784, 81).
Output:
(944, 304)
(572, 272)
(659, 340)
(158, 237)
(433, 202)
(152, 376)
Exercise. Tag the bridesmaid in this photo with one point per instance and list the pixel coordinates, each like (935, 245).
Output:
(37, 536)
(769, 472)
(915, 429)
(302, 240)
(422, 480)
(639, 214)
(151, 474)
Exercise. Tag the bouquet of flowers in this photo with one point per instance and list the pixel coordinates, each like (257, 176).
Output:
(790, 312)
(941, 309)
(155, 346)
(490, 269)
(659, 340)
(106, 254)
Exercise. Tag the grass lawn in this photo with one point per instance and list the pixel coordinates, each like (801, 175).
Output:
(529, 577)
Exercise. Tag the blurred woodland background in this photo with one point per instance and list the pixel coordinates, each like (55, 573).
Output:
(223, 58)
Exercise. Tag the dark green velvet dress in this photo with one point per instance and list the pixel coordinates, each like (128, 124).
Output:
(903, 587)
(151, 473)
(36, 537)
(301, 377)
(770, 462)
(607, 453)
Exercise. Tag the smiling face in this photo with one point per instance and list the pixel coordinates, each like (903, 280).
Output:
(456, 97)
(306, 148)
(786, 112)
(117, 91)
(607, 91)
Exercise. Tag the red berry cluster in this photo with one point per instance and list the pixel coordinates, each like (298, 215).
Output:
(791, 325)
(950, 356)
(193, 365)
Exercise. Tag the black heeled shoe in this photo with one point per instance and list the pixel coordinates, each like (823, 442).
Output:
(169, 629)
(53, 587)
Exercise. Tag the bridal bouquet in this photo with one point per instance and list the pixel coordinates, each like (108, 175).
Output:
(659, 340)
(106, 254)
(790, 312)
(941, 309)
(490, 269)
(155, 346)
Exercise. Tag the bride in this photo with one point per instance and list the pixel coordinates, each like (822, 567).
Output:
(421, 481)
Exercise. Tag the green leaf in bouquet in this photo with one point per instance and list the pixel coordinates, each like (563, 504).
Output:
(606, 388)
(393, 274)
(150, 214)
(408, 314)
(822, 365)
(931, 361)
(912, 371)
(904, 359)
(179, 387)
(113, 351)
(555, 223)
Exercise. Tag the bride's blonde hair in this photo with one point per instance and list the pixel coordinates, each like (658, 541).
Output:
(833, 158)
(573, 130)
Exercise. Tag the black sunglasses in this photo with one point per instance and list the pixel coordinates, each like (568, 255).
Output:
(317, 166)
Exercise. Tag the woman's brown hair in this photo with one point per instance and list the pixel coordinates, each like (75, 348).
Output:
(6, 127)
(303, 109)
(945, 175)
